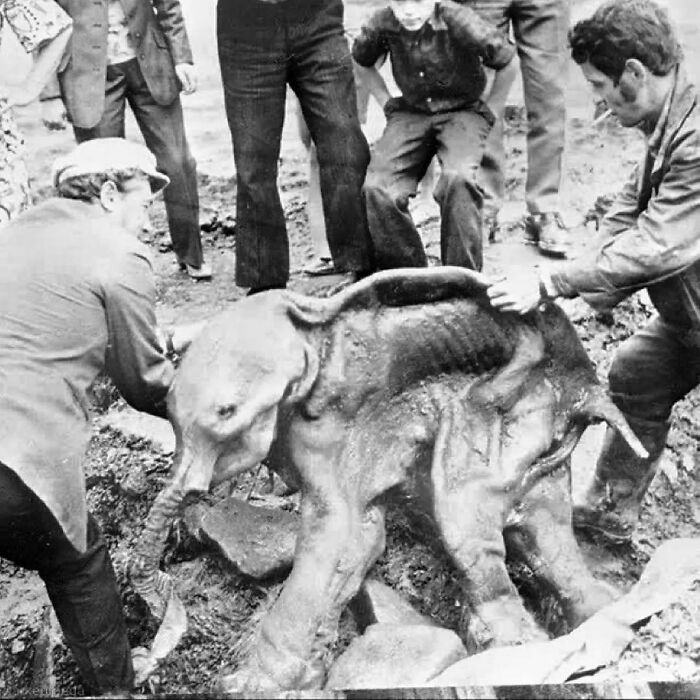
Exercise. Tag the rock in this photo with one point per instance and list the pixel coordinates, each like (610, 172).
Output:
(377, 603)
(134, 424)
(258, 541)
(394, 656)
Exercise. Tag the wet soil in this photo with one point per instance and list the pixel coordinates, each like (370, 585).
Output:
(123, 476)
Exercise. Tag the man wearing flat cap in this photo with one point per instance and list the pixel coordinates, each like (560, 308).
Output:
(76, 298)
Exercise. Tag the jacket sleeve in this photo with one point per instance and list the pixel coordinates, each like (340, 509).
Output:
(171, 21)
(371, 44)
(469, 29)
(135, 359)
(661, 242)
(625, 207)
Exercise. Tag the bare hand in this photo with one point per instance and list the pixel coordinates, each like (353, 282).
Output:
(187, 75)
(519, 292)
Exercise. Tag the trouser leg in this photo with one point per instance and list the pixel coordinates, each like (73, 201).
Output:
(253, 59)
(540, 28)
(111, 124)
(461, 138)
(81, 585)
(399, 161)
(322, 77)
(163, 129)
(651, 371)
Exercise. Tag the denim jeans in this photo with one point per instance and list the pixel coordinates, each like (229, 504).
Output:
(540, 29)
(163, 130)
(82, 586)
(399, 161)
(263, 47)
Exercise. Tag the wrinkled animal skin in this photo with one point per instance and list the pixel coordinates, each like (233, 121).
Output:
(408, 375)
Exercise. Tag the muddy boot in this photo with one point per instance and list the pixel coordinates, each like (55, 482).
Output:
(614, 499)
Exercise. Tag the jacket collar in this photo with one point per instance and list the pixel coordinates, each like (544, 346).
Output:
(682, 101)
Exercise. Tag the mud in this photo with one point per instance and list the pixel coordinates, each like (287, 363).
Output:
(123, 476)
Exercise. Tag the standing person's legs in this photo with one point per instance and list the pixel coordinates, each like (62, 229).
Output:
(540, 28)
(651, 371)
(399, 161)
(461, 139)
(81, 585)
(111, 123)
(163, 130)
(322, 77)
(323, 262)
(253, 60)
(491, 176)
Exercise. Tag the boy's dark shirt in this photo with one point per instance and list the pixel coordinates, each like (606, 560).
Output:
(439, 67)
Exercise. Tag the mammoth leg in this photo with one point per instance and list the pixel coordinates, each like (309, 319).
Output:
(340, 538)
(541, 535)
(470, 505)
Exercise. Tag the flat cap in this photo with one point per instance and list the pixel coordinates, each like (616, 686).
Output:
(101, 155)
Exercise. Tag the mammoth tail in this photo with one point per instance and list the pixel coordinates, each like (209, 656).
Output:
(597, 407)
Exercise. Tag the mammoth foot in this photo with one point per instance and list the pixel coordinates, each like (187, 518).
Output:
(250, 678)
(501, 622)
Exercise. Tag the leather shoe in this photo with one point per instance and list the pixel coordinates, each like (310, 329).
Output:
(197, 273)
(547, 232)
(320, 268)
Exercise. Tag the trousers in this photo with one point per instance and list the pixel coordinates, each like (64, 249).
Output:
(82, 586)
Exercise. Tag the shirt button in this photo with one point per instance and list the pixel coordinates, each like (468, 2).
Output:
(422, 74)
(428, 99)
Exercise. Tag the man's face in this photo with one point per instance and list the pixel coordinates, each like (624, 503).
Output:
(132, 205)
(412, 14)
(628, 99)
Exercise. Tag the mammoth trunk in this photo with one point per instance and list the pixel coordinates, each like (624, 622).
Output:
(149, 582)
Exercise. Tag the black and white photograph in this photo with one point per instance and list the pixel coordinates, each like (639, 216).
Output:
(350, 349)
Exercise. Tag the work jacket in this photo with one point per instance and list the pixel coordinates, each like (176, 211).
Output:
(651, 235)
(77, 297)
(157, 30)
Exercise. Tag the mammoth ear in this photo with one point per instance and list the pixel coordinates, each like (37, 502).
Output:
(300, 387)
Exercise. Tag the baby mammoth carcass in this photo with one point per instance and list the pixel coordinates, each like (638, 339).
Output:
(405, 375)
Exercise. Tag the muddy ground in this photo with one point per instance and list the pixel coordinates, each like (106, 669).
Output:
(124, 474)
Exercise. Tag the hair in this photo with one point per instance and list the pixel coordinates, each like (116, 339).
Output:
(622, 29)
(88, 187)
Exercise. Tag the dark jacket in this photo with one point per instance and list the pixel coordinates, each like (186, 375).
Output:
(651, 236)
(77, 297)
(157, 29)
(439, 67)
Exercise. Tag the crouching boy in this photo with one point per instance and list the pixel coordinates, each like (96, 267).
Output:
(438, 52)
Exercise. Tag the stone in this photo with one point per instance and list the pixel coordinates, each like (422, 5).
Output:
(394, 656)
(258, 541)
(135, 424)
(377, 603)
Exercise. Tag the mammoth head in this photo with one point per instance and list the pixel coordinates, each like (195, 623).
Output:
(226, 396)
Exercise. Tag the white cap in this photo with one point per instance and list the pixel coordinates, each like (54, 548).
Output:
(100, 155)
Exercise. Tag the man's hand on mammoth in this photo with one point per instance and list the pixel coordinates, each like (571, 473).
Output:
(187, 75)
(521, 291)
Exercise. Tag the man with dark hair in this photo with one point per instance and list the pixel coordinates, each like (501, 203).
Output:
(629, 54)
(264, 46)
(77, 298)
(137, 51)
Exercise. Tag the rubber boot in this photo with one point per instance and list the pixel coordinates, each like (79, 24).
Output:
(613, 501)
